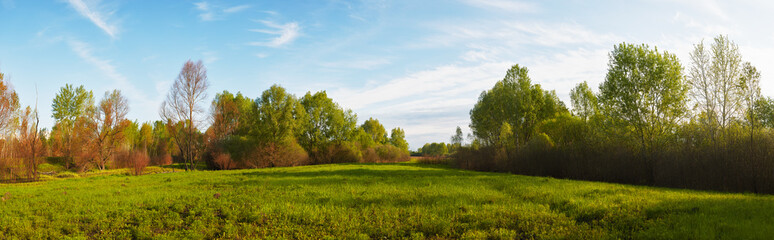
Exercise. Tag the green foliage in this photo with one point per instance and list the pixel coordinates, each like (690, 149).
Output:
(375, 129)
(372, 201)
(764, 112)
(434, 149)
(326, 122)
(644, 89)
(398, 139)
(278, 116)
(515, 101)
(584, 102)
(71, 103)
(67, 175)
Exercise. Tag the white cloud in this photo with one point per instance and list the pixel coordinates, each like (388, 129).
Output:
(503, 5)
(704, 27)
(286, 33)
(213, 12)
(428, 104)
(138, 101)
(508, 35)
(235, 9)
(210, 57)
(91, 10)
(364, 64)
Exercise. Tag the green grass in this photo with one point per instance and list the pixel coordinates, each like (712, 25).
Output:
(361, 201)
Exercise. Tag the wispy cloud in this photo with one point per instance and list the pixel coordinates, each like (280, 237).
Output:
(236, 9)
(92, 11)
(428, 104)
(503, 5)
(136, 97)
(9, 4)
(364, 64)
(285, 33)
(211, 12)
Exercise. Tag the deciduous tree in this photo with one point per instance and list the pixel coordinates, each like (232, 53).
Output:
(644, 89)
(183, 106)
(109, 124)
(69, 105)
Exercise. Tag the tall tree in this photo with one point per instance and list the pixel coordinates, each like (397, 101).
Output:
(108, 127)
(456, 139)
(69, 105)
(398, 139)
(183, 106)
(326, 122)
(584, 102)
(714, 79)
(375, 130)
(516, 101)
(751, 91)
(278, 116)
(644, 89)
(9, 104)
(225, 115)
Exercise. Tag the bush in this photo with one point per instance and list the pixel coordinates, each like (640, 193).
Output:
(161, 160)
(135, 160)
(223, 161)
(68, 175)
(278, 155)
(390, 153)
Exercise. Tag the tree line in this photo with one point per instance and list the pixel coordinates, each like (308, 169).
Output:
(651, 121)
(275, 129)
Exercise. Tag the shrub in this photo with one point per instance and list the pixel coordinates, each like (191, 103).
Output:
(390, 153)
(135, 160)
(223, 161)
(278, 155)
(68, 175)
(161, 160)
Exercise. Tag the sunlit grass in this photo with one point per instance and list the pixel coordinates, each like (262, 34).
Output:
(372, 201)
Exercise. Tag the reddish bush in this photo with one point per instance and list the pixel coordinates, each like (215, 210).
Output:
(136, 161)
(223, 161)
(164, 159)
(278, 155)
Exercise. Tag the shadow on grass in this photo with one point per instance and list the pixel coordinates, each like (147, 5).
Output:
(721, 217)
(415, 170)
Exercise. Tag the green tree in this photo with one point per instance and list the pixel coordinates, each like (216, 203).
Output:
(584, 102)
(398, 139)
(764, 112)
(69, 104)
(644, 89)
(326, 122)
(751, 92)
(278, 116)
(375, 130)
(516, 101)
(456, 139)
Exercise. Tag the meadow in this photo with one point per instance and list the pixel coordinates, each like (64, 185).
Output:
(371, 201)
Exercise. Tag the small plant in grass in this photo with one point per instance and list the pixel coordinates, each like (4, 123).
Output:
(67, 175)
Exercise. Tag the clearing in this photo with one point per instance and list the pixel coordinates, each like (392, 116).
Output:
(362, 201)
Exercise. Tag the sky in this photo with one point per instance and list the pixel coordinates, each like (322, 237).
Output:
(418, 65)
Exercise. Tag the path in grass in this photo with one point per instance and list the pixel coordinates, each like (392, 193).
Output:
(363, 201)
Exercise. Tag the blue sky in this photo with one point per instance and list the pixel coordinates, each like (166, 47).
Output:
(419, 65)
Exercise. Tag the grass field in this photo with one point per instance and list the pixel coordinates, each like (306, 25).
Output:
(362, 201)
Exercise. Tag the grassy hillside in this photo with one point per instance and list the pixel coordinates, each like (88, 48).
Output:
(361, 201)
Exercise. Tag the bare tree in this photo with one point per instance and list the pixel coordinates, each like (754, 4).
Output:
(9, 104)
(29, 140)
(715, 83)
(110, 116)
(183, 106)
